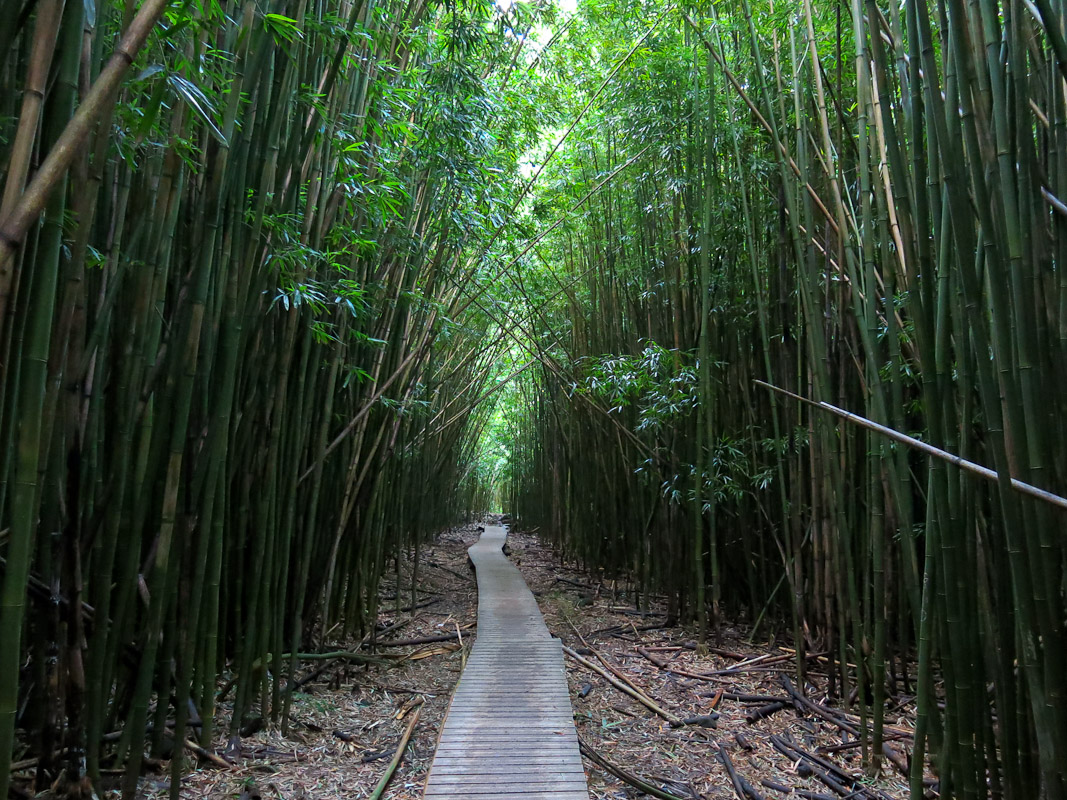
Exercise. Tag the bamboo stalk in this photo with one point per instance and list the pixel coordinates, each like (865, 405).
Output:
(379, 790)
(640, 697)
(929, 449)
(17, 221)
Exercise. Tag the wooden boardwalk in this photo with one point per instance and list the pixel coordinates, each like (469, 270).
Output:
(509, 732)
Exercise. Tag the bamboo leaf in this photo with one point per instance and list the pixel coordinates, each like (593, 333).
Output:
(198, 102)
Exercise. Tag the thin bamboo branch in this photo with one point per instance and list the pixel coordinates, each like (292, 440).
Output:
(622, 687)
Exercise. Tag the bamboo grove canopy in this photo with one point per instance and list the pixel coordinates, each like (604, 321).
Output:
(288, 286)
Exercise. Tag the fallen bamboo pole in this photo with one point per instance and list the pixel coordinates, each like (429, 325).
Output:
(441, 637)
(207, 755)
(610, 667)
(399, 754)
(674, 721)
(918, 444)
(623, 775)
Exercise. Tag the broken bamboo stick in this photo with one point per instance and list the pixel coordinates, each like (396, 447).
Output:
(399, 754)
(674, 721)
(623, 775)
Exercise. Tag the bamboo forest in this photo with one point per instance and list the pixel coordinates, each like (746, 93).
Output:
(751, 313)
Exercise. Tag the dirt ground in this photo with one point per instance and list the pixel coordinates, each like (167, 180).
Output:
(347, 723)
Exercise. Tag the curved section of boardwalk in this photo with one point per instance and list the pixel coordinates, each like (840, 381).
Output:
(509, 732)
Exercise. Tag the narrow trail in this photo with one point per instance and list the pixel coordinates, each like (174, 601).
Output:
(510, 731)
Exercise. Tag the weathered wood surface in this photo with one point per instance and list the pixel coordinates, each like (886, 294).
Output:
(509, 732)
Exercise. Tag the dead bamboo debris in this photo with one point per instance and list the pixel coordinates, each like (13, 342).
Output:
(355, 725)
(390, 770)
(732, 683)
(624, 775)
(625, 686)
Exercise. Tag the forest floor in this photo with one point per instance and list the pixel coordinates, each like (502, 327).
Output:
(782, 754)
(347, 722)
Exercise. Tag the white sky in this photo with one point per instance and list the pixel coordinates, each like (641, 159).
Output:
(538, 37)
(566, 6)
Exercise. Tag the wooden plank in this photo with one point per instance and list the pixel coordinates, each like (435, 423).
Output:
(509, 733)
(536, 731)
(551, 777)
(505, 754)
(494, 694)
(468, 738)
(569, 791)
(516, 717)
(501, 684)
(516, 729)
(516, 714)
(562, 767)
(500, 743)
(558, 748)
(480, 762)
(476, 789)
(523, 776)
(492, 784)
(558, 744)
(517, 702)
(514, 724)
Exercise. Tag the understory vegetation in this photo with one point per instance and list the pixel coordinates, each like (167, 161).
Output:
(757, 305)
